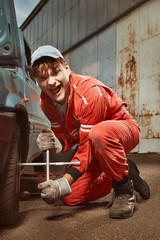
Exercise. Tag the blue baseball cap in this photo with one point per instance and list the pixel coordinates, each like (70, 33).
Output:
(45, 51)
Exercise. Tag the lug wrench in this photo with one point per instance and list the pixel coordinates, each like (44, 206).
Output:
(47, 164)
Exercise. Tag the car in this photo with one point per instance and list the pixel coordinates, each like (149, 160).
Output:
(21, 118)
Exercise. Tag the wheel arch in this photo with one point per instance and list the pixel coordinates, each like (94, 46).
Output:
(8, 117)
(23, 122)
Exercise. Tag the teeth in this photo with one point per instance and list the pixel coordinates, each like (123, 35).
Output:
(56, 90)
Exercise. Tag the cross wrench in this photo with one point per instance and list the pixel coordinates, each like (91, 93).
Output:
(47, 164)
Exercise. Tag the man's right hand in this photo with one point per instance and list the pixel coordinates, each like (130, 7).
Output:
(51, 190)
(47, 140)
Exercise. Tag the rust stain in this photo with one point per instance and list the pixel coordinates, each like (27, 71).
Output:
(149, 29)
(146, 125)
(121, 83)
(146, 120)
(120, 78)
(158, 83)
(132, 35)
(127, 80)
(157, 27)
(131, 69)
(145, 111)
(128, 84)
(152, 30)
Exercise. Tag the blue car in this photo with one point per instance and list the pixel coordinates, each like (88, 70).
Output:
(21, 118)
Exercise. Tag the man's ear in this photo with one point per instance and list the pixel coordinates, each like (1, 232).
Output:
(67, 66)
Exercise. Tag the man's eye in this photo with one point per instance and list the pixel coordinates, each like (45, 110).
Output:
(54, 74)
(41, 79)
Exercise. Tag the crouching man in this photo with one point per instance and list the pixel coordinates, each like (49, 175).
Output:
(84, 111)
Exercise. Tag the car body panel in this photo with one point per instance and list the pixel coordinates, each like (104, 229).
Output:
(9, 47)
(19, 93)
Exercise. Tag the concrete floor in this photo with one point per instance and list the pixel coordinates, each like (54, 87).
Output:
(37, 220)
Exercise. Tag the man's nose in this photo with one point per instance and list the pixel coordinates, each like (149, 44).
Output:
(51, 81)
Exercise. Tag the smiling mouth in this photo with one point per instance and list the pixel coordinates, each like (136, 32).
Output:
(55, 90)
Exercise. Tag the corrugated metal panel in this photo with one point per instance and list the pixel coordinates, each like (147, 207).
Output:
(124, 5)
(107, 56)
(74, 24)
(138, 71)
(97, 57)
(60, 8)
(89, 57)
(54, 35)
(75, 59)
(87, 17)
(82, 26)
(67, 5)
(91, 16)
(113, 9)
(83, 59)
(60, 34)
(67, 31)
(101, 12)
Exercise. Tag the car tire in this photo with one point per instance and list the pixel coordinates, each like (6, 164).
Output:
(10, 182)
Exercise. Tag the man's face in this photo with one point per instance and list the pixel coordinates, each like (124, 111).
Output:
(56, 85)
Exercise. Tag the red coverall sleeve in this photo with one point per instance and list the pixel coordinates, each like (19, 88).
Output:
(92, 111)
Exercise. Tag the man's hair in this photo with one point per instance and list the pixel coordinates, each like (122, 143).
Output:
(41, 66)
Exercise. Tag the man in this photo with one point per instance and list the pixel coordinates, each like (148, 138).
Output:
(83, 110)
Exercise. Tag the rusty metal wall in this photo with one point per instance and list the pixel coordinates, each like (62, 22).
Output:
(117, 41)
(126, 57)
(138, 71)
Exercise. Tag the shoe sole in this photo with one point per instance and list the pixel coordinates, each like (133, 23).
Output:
(119, 216)
(138, 181)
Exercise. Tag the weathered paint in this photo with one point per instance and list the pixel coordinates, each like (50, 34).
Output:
(126, 57)
(138, 71)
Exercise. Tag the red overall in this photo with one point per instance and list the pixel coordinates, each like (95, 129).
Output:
(98, 121)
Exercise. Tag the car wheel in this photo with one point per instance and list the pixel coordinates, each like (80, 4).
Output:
(10, 183)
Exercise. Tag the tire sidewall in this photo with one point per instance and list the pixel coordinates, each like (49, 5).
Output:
(10, 182)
